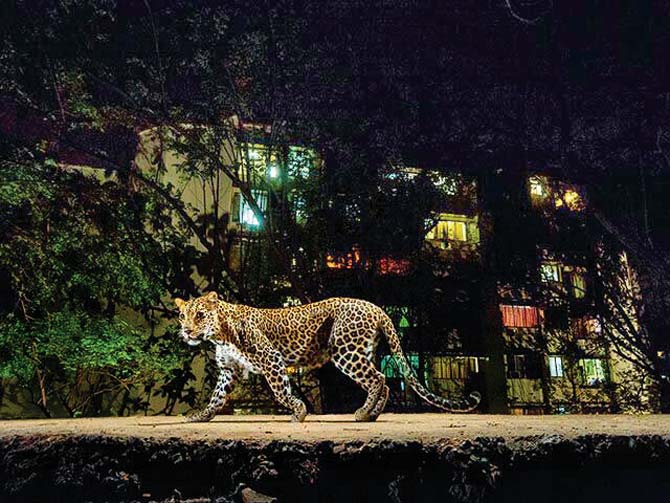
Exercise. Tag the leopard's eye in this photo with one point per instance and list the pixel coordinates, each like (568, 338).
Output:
(199, 315)
(182, 317)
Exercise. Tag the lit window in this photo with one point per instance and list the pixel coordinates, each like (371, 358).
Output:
(593, 371)
(390, 368)
(520, 316)
(448, 230)
(263, 162)
(457, 231)
(570, 199)
(550, 272)
(273, 171)
(246, 213)
(537, 187)
(555, 366)
(453, 367)
(578, 283)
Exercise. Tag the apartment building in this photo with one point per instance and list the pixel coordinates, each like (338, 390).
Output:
(527, 269)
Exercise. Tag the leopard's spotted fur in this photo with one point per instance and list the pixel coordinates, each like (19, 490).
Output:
(264, 341)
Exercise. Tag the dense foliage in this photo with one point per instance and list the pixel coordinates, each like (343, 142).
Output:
(74, 256)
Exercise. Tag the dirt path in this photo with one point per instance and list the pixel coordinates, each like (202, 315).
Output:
(341, 428)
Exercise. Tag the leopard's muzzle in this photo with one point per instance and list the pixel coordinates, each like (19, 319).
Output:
(191, 338)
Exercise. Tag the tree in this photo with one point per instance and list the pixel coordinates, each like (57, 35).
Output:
(75, 254)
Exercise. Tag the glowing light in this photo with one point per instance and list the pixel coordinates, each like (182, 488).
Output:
(520, 316)
(389, 265)
(573, 200)
(448, 230)
(555, 366)
(593, 371)
(248, 217)
(344, 260)
(246, 214)
(550, 272)
(537, 188)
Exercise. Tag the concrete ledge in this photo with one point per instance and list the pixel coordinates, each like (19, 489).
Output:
(428, 457)
(425, 428)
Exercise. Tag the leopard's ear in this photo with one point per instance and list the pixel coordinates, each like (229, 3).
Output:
(179, 302)
(212, 296)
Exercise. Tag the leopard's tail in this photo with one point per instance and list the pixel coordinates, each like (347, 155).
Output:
(465, 404)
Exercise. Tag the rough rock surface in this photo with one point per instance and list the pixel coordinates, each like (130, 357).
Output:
(601, 458)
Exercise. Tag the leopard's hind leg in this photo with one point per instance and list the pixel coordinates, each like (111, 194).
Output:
(353, 347)
(364, 373)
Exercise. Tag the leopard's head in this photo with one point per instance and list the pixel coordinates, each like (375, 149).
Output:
(199, 318)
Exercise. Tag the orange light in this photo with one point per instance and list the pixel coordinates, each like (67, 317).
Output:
(347, 260)
(521, 316)
(388, 265)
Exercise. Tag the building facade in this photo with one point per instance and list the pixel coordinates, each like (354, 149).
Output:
(528, 332)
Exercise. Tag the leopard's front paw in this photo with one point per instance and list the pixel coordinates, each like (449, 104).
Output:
(299, 412)
(199, 417)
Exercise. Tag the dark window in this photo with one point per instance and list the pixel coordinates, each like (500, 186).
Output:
(556, 318)
(525, 366)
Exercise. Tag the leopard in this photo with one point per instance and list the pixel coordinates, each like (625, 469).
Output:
(266, 341)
